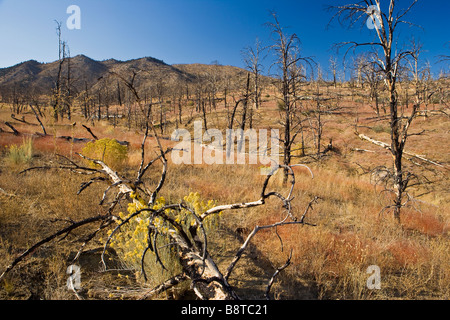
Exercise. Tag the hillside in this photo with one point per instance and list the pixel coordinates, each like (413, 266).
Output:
(86, 71)
(26, 73)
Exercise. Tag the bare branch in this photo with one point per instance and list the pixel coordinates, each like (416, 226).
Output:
(68, 229)
(272, 279)
(90, 132)
(39, 120)
(175, 280)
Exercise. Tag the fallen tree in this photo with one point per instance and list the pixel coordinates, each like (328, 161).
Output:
(388, 147)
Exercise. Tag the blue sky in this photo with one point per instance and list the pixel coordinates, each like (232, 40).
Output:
(190, 31)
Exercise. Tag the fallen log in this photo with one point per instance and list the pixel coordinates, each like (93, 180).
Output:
(13, 116)
(388, 147)
(361, 150)
(16, 133)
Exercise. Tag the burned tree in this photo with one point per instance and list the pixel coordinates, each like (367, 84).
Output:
(286, 50)
(57, 90)
(252, 57)
(386, 23)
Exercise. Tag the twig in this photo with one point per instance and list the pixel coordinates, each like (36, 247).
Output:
(272, 279)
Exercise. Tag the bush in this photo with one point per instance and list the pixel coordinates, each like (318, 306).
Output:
(380, 128)
(21, 154)
(108, 150)
(297, 149)
(281, 105)
(131, 239)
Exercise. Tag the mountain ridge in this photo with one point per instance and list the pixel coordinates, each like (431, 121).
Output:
(85, 71)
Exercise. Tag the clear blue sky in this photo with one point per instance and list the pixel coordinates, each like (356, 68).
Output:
(189, 31)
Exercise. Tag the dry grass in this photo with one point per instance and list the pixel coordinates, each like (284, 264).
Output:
(329, 260)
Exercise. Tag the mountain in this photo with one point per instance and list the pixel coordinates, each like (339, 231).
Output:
(211, 69)
(86, 72)
(42, 76)
(150, 71)
(24, 72)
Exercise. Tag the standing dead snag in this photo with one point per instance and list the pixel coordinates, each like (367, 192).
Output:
(286, 48)
(388, 147)
(252, 59)
(386, 21)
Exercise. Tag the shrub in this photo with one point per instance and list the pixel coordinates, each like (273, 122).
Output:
(108, 150)
(131, 239)
(281, 105)
(21, 154)
(297, 149)
(380, 128)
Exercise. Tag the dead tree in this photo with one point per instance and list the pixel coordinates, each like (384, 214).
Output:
(245, 104)
(418, 74)
(160, 91)
(333, 68)
(39, 120)
(130, 81)
(57, 91)
(386, 26)
(286, 50)
(253, 61)
(245, 97)
(319, 122)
